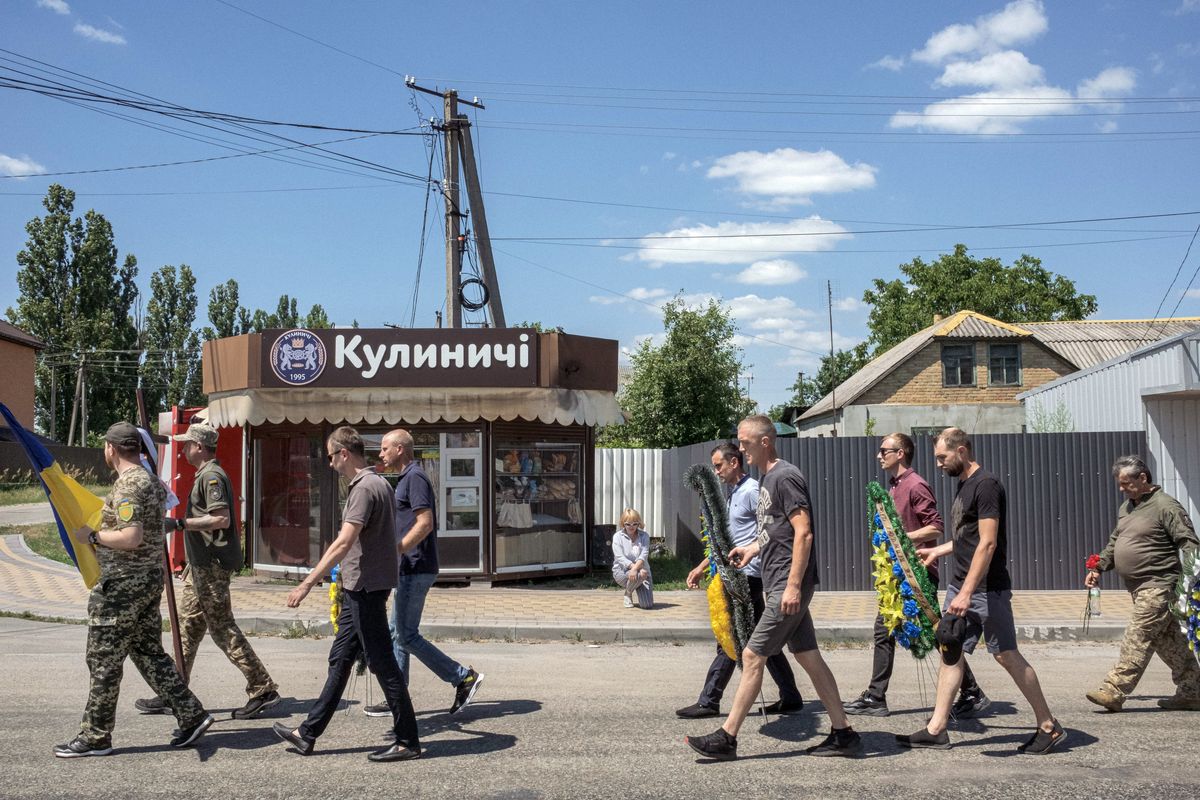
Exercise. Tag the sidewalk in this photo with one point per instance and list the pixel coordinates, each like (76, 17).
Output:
(30, 583)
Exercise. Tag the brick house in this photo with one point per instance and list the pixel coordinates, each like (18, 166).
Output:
(17, 354)
(968, 369)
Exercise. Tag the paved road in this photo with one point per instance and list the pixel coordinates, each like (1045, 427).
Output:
(26, 514)
(564, 720)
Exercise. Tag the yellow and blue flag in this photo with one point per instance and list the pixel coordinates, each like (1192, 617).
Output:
(73, 505)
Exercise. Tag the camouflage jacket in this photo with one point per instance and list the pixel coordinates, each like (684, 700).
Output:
(135, 497)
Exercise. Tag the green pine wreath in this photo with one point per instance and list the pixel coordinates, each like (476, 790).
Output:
(910, 625)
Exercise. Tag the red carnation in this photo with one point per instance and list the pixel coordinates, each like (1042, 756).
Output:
(1093, 562)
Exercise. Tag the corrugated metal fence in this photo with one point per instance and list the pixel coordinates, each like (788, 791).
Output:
(1062, 500)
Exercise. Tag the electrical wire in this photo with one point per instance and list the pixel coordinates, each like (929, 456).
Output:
(1186, 289)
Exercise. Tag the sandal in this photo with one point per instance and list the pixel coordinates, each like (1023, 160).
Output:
(1042, 742)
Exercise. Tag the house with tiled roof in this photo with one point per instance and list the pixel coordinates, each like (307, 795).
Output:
(968, 369)
(18, 351)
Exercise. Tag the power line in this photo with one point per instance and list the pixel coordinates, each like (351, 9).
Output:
(1183, 294)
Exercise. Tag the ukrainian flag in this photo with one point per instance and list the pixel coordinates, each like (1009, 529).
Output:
(73, 505)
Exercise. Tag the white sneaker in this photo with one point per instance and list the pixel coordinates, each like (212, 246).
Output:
(628, 601)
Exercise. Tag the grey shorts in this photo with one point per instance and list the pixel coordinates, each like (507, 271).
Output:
(989, 615)
(775, 629)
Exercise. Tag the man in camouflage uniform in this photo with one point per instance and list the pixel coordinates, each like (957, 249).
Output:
(123, 609)
(1152, 527)
(214, 553)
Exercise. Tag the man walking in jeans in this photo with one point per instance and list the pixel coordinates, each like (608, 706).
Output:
(366, 548)
(416, 528)
(918, 511)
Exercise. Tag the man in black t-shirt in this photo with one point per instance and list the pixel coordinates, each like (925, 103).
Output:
(981, 593)
(789, 576)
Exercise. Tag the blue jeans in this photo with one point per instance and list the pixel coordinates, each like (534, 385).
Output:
(409, 603)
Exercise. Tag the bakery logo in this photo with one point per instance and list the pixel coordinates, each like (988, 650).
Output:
(298, 357)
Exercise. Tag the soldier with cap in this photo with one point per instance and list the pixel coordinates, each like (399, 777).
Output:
(123, 609)
(214, 554)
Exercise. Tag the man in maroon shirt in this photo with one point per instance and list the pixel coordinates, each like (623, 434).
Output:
(918, 511)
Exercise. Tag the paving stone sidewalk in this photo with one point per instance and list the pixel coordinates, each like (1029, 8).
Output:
(31, 583)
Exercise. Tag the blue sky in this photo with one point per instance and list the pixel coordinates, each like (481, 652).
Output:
(671, 119)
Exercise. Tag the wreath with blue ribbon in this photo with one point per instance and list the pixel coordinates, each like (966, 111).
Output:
(910, 621)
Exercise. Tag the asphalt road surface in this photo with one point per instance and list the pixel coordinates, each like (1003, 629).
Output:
(578, 720)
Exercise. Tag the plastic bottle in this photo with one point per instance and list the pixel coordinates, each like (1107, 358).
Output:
(1094, 601)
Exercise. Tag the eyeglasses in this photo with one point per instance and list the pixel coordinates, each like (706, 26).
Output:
(334, 453)
(629, 524)
(883, 451)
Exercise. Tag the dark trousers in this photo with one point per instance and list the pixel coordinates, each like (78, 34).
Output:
(363, 628)
(722, 667)
(885, 657)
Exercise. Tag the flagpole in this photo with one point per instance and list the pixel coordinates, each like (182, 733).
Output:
(168, 581)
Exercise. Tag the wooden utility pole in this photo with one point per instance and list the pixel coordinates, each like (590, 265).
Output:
(75, 403)
(53, 399)
(459, 151)
(832, 361)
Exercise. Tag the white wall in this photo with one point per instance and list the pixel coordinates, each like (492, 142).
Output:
(1173, 439)
(629, 478)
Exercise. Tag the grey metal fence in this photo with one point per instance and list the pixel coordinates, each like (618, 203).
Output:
(1062, 500)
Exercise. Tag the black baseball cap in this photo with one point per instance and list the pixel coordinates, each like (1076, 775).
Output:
(123, 434)
(951, 633)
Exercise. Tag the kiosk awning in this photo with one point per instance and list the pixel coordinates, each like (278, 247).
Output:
(412, 405)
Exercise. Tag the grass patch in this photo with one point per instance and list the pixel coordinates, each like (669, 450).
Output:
(669, 571)
(43, 540)
(41, 618)
(21, 486)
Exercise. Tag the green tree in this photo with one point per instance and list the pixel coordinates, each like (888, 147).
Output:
(171, 371)
(317, 318)
(1024, 292)
(685, 390)
(225, 313)
(76, 299)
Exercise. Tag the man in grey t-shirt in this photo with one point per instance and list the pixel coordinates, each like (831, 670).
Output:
(366, 548)
(789, 572)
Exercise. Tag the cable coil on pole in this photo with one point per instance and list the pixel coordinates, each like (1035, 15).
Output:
(473, 305)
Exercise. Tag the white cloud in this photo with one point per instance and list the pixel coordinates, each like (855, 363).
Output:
(98, 35)
(1112, 82)
(636, 294)
(776, 272)
(847, 304)
(1006, 69)
(1192, 293)
(790, 176)
(668, 156)
(57, 6)
(1188, 7)
(21, 165)
(740, 242)
(890, 63)
(1019, 21)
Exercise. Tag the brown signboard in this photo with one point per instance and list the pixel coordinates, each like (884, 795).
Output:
(387, 357)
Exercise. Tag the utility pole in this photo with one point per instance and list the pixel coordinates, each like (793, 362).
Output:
(459, 150)
(832, 362)
(53, 398)
(75, 403)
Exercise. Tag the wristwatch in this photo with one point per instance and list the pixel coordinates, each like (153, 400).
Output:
(93, 539)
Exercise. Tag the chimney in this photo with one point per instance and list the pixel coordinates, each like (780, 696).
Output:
(937, 318)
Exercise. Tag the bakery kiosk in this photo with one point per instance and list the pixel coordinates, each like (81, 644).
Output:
(504, 422)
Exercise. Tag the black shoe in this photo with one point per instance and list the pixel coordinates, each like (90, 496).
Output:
(378, 710)
(78, 748)
(1042, 742)
(187, 736)
(698, 711)
(257, 705)
(293, 737)
(780, 707)
(151, 705)
(970, 705)
(839, 742)
(717, 745)
(923, 738)
(464, 693)
(867, 706)
(396, 752)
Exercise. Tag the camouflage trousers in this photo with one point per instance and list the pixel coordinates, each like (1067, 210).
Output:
(205, 606)
(1152, 630)
(124, 621)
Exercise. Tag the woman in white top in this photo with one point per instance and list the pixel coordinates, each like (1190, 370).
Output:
(631, 560)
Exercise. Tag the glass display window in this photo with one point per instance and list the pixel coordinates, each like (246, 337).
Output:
(538, 512)
(287, 491)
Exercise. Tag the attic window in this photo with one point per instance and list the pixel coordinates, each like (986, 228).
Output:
(1004, 365)
(958, 365)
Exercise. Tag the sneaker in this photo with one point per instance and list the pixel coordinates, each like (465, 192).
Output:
(1180, 702)
(151, 705)
(717, 745)
(292, 736)
(378, 710)
(970, 705)
(627, 601)
(923, 738)
(1042, 742)
(78, 748)
(780, 707)
(464, 693)
(867, 706)
(396, 752)
(257, 705)
(185, 737)
(1106, 698)
(840, 742)
(698, 711)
